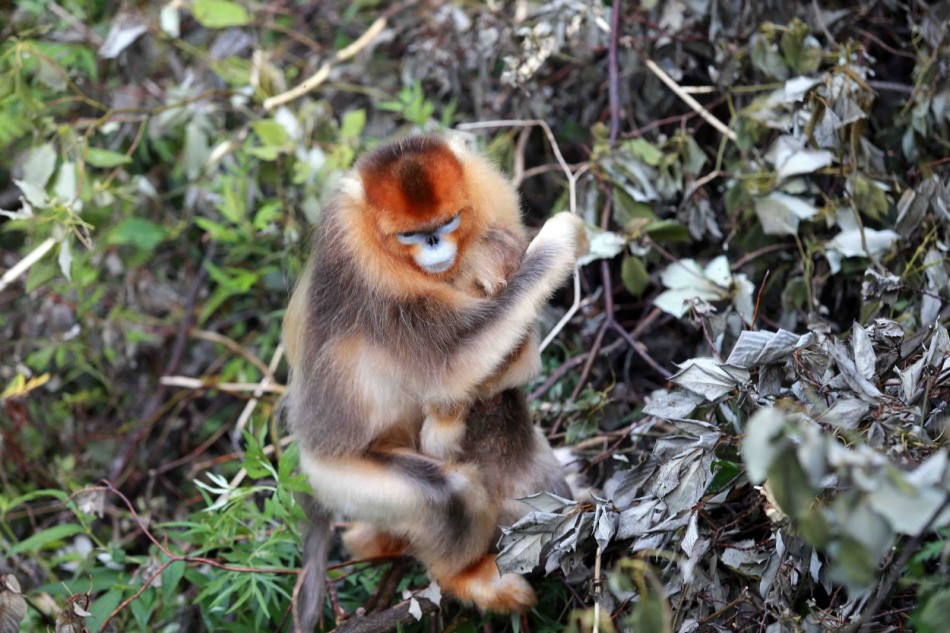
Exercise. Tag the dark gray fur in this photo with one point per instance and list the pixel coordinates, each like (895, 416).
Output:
(316, 542)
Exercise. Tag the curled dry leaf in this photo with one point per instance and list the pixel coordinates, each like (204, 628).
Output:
(13, 605)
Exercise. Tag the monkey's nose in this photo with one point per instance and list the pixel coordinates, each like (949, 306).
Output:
(432, 240)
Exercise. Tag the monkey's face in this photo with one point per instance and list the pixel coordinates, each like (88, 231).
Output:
(417, 197)
(434, 251)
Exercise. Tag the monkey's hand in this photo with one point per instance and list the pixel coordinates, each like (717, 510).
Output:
(443, 430)
(495, 259)
(565, 232)
(490, 285)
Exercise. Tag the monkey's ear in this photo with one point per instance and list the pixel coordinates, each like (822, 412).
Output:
(458, 141)
(352, 187)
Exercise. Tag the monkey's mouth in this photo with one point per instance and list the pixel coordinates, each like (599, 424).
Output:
(438, 267)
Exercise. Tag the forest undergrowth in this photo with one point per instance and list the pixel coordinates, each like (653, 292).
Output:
(752, 367)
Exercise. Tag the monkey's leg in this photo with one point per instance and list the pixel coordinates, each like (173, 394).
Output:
(481, 584)
(363, 540)
(441, 510)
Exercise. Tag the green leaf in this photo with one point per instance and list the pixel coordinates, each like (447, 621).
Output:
(256, 462)
(6, 506)
(137, 232)
(267, 213)
(667, 231)
(36, 196)
(634, 275)
(645, 151)
(855, 562)
(788, 483)
(869, 197)
(270, 132)
(352, 125)
(220, 14)
(101, 608)
(933, 616)
(218, 232)
(105, 158)
(44, 538)
(626, 209)
(802, 51)
(267, 153)
(725, 471)
(39, 165)
(651, 613)
(171, 578)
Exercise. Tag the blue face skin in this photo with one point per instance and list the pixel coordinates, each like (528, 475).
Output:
(434, 253)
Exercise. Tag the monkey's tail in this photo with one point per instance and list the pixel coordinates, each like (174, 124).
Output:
(309, 590)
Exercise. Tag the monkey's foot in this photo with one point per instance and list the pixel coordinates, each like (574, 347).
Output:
(365, 541)
(482, 585)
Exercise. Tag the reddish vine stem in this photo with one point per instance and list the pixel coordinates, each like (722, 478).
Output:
(172, 557)
(613, 72)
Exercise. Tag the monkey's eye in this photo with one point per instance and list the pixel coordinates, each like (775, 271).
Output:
(409, 238)
(450, 226)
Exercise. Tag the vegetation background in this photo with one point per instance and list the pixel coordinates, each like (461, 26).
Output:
(754, 370)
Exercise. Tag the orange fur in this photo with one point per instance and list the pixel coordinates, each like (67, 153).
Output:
(481, 584)
(458, 182)
(365, 541)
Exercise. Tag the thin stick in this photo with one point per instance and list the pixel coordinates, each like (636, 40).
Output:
(265, 383)
(24, 264)
(688, 99)
(314, 81)
(597, 590)
(897, 568)
(187, 382)
(234, 346)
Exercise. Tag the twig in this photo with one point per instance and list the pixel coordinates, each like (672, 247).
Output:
(597, 590)
(689, 100)
(758, 299)
(264, 384)
(765, 250)
(187, 382)
(640, 349)
(24, 264)
(699, 183)
(566, 366)
(613, 73)
(897, 567)
(166, 466)
(387, 587)
(389, 620)
(234, 346)
(567, 315)
(75, 22)
(314, 81)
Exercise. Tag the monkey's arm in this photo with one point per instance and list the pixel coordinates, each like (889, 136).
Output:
(508, 316)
